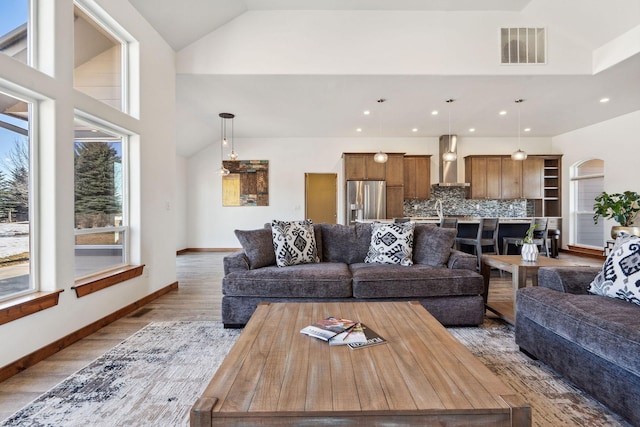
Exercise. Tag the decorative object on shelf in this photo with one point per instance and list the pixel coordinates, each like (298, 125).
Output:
(380, 157)
(450, 155)
(623, 208)
(529, 249)
(519, 154)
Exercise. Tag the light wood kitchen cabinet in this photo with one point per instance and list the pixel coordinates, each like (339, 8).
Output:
(533, 178)
(361, 166)
(417, 177)
(485, 176)
(511, 176)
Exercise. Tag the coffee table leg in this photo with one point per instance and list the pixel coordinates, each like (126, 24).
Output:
(519, 280)
(485, 270)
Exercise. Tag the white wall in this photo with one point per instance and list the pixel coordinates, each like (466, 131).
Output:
(614, 141)
(181, 202)
(372, 42)
(210, 225)
(153, 174)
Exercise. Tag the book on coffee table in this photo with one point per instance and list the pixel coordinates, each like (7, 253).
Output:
(328, 328)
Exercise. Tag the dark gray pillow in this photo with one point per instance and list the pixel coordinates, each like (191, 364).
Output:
(258, 246)
(432, 244)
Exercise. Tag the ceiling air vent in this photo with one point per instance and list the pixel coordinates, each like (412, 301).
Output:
(523, 46)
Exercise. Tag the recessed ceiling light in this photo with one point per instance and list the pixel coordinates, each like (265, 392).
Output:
(94, 130)
(367, 112)
(414, 130)
(527, 129)
(604, 100)
(359, 130)
(472, 129)
(503, 113)
(434, 113)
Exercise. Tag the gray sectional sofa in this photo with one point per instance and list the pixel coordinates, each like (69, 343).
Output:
(443, 280)
(592, 340)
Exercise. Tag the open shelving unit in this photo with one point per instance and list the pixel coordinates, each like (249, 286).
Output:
(552, 197)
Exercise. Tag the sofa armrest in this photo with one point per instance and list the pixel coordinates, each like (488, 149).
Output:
(237, 261)
(570, 280)
(459, 260)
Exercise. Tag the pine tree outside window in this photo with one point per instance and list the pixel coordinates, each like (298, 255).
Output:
(100, 199)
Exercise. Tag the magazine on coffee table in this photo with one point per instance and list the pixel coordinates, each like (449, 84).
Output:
(372, 338)
(353, 335)
(328, 328)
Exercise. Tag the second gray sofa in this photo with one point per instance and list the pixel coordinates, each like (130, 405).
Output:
(443, 280)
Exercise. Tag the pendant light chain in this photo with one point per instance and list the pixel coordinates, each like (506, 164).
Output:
(519, 154)
(380, 157)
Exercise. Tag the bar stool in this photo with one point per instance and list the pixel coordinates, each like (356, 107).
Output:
(449, 223)
(540, 236)
(487, 236)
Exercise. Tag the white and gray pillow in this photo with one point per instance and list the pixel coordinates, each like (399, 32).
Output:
(391, 244)
(620, 275)
(294, 242)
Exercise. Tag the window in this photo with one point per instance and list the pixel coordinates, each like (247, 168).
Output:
(99, 61)
(14, 29)
(101, 227)
(16, 277)
(587, 181)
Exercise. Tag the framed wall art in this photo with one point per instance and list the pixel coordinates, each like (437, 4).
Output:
(247, 183)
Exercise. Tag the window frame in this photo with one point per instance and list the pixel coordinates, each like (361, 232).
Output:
(34, 208)
(123, 136)
(101, 19)
(575, 180)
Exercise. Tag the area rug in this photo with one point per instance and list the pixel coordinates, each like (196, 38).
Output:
(154, 377)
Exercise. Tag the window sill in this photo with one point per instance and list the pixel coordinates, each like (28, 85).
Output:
(91, 284)
(29, 304)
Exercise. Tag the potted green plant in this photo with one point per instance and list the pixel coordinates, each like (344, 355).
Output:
(623, 208)
(529, 250)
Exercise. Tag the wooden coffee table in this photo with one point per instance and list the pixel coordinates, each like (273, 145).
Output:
(276, 376)
(519, 270)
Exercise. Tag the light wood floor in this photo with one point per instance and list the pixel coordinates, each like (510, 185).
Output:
(198, 298)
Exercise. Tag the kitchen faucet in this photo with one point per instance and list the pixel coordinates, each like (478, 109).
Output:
(438, 207)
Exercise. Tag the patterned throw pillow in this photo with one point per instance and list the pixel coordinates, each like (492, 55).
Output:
(391, 243)
(620, 275)
(294, 242)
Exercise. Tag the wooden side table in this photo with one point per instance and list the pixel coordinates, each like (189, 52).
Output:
(519, 270)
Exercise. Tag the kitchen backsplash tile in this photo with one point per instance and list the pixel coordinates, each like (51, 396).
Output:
(454, 203)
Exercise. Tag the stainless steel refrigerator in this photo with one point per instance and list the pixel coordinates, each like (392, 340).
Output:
(366, 200)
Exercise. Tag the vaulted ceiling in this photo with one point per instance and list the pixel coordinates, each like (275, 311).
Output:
(325, 104)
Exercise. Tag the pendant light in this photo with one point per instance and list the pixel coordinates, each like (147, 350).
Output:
(223, 141)
(450, 155)
(380, 157)
(519, 154)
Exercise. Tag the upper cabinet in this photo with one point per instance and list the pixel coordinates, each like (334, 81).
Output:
(533, 177)
(500, 177)
(417, 177)
(395, 170)
(361, 166)
(485, 176)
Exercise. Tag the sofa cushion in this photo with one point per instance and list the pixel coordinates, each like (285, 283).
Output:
(620, 275)
(607, 327)
(416, 281)
(294, 242)
(345, 243)
(258, 246)
(391, 244)
(321, 280)
(432, 244)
